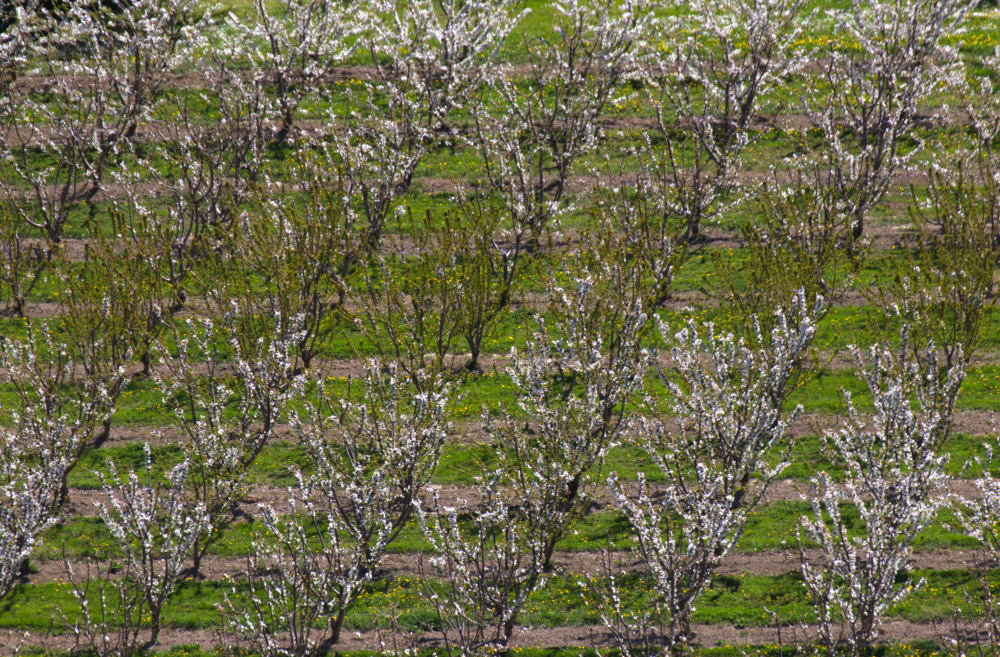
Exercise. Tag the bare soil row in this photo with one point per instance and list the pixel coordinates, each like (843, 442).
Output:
(532, 301)
(473, 432)
(577, 563)
(897, 631)
(880, 236)
(83, 502)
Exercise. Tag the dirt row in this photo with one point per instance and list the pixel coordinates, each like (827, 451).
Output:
(84, 501)
(157, 130)
(880, 236)
(943, 632)
(495, 364)
(473, 432)
(200, 79)
(682, 300)
(587, 564)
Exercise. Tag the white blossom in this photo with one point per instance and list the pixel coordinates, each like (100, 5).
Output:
(210, 372)
(729, 405)
(155, 530)
(371, 460)
(293, 50)
(548, 117)
(889, 55)
(713, 64)
(893, 476)
(62, 396)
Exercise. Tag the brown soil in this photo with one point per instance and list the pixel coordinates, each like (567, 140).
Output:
(973, 423)
(72, 249)
(83, 502)
(772, 562)
(42, 310)
(492, 363)
(473, 432)
(581, 636)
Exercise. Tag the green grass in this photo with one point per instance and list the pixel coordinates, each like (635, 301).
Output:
(770, 527)
(462, 464)
(563, 600)
(141, 403)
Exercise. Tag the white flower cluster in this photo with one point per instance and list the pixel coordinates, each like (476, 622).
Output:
(28, 491)
(574, 384)
(210, 372)
(156, 529)
(894, 476)
(717, 459)
(547, 121)
(370, 462)
(891, 55)
(713, 65)
(49, 430)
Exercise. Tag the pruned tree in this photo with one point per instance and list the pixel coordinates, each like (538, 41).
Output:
(450, 277)
(894, 475)
(489, 564)
(18, 29)
(65, 393)
(303, 573)
(371, 460)
(718, 457)
(531, 127)
(573, 383)
(288, 258)
(797, 245)
(208, 374)
(438, 53)
(378, 451)
(709, 82)
(31, 477)
(866, 102)
(292, 48)
(201, 168)
(429, 58)
(977, 516)
(95, 102)
(376, 151)
(23, 262)
(155, 530)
